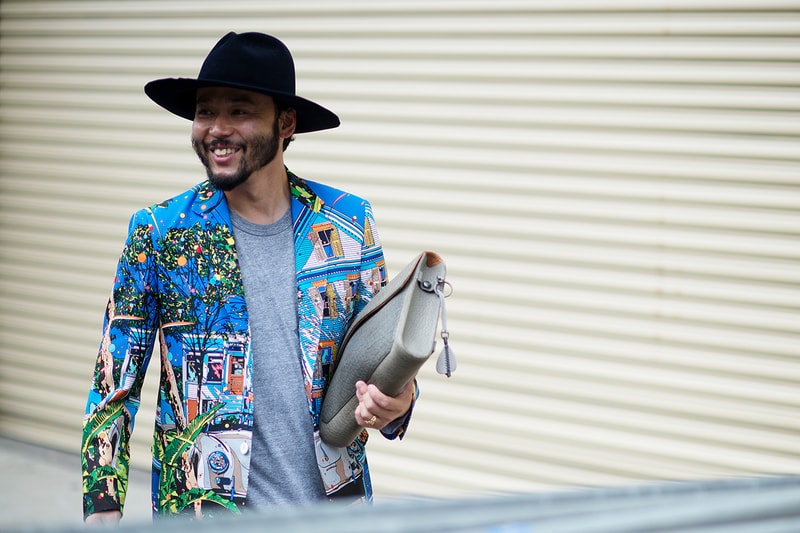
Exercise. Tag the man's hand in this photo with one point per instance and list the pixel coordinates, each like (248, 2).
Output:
(375, 409)
(104, 518)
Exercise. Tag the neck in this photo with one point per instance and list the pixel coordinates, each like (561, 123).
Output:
(264, 197)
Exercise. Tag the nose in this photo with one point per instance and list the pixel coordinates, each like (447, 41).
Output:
(221, 127)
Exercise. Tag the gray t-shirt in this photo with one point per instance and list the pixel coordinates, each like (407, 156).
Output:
(283, 464)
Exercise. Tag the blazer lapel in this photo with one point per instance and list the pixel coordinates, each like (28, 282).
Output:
(312, 279)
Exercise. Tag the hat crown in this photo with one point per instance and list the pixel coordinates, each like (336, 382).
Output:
(250, 59)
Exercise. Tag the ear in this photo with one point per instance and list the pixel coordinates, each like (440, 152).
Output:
(287, 123)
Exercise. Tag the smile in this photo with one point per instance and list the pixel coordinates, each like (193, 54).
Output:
(221, 152)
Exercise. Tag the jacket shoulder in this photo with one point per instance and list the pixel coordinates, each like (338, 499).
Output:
(181, 208)
(337, 199)
(200, 194)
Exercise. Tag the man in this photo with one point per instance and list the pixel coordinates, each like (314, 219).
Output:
(249, 281)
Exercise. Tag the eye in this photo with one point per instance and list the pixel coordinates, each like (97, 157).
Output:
(202, 112)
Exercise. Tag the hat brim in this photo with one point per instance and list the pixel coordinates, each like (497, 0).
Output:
(178, 96)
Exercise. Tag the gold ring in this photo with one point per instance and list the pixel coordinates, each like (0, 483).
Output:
(371, 421)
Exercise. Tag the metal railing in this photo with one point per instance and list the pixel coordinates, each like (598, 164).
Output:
(738, 505)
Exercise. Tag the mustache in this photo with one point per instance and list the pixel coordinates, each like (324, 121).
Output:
(218, 143)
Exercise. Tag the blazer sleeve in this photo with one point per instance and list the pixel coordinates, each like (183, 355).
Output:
(129, 329)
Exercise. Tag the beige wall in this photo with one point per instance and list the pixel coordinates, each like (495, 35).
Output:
(615, 187)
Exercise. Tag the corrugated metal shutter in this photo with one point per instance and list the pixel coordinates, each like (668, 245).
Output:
(614, 184)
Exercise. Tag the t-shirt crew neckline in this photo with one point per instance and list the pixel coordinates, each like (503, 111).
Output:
(252, 228)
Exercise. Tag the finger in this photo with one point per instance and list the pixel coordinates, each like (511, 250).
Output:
(361, 389)
(364, 418)
(365, 399)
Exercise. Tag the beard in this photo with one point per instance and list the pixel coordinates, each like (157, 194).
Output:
(258, 152)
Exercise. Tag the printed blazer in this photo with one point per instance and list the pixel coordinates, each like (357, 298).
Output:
(178, 280)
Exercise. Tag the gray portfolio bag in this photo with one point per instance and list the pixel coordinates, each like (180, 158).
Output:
(387, 343)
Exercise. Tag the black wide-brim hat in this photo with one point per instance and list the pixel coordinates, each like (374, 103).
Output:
(251, 61)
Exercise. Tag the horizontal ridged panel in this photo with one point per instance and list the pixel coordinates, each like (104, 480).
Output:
(615, 187)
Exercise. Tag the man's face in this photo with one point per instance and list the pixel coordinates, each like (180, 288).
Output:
(234, 133)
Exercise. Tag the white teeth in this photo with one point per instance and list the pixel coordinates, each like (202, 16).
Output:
(223, 151)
